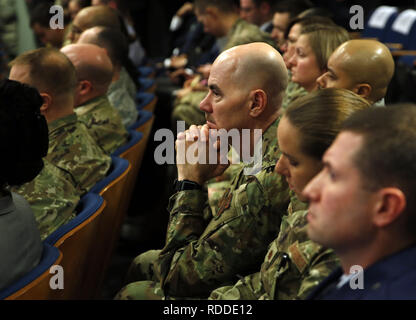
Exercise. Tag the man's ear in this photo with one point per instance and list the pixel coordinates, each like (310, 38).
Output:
(47, 101)
(84, 87)
(363, 90)
(258, 102)
(390, 204)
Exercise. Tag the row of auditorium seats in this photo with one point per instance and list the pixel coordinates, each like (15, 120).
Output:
(84, 246)
(396, 28)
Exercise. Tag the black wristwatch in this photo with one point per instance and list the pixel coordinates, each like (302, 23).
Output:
(186, 185)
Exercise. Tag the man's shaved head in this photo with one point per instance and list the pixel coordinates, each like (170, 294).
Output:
(361, 62)
(257, 66)
(113, 40)
(91, 63)
(94, 16)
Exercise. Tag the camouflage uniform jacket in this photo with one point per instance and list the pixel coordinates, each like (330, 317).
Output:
(72, 149)
(104, 123)
(244, 32)
(52, 198)
(123, 102)
(293, 266)
(128, 83)
(203, 249)
(293, 91)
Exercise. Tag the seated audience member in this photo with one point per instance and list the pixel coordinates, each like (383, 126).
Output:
(24, 141)
(136, 53)
(294, 90)
(294, 264)
(116, 45)
(312, 51)
(104, 16)
(40, 23)
(206, 249)
(284, 12)
(258, 12)
(222, 20)
(362, 205)
(94, 73)
(71, 148)
(365, 67)
(93, 16)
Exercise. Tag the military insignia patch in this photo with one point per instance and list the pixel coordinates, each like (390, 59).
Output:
(297, 257)
(224, 203)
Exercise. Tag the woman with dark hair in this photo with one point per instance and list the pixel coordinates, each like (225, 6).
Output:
(24, 141)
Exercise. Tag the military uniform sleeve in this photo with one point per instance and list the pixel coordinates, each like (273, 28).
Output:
(201, 254)
(248, 288)
(321, 267)
(294, 264)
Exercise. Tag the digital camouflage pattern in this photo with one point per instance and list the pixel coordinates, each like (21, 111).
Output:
(128, 83)
(103, 123)
(293, 91)
(205, 250)
(72, 149)
(187, 108)
(52, 198)
(244, 32)
(123, 102)
(292, 268)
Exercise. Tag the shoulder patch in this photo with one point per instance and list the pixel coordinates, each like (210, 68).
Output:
(224, 203)
(297, 257)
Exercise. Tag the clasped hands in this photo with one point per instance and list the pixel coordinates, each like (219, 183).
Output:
(200, 155)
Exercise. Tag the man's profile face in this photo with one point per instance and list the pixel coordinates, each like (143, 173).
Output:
(225, 101)
(249, 12)
(339, 216)
(280, 22)
(336, 76)
(79, 25)
(208, 21)
(48, 35)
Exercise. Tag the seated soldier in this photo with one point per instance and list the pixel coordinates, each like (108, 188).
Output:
(104, 16)
(221, 19)
(40, 23)
(284, 12)
(258, 12)
(71, 148)
(362, 205)
(24, 141)
(91, 17)
(94, 73)
(294, 264)
(117, 49)
(205, 249)
(363, 66)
